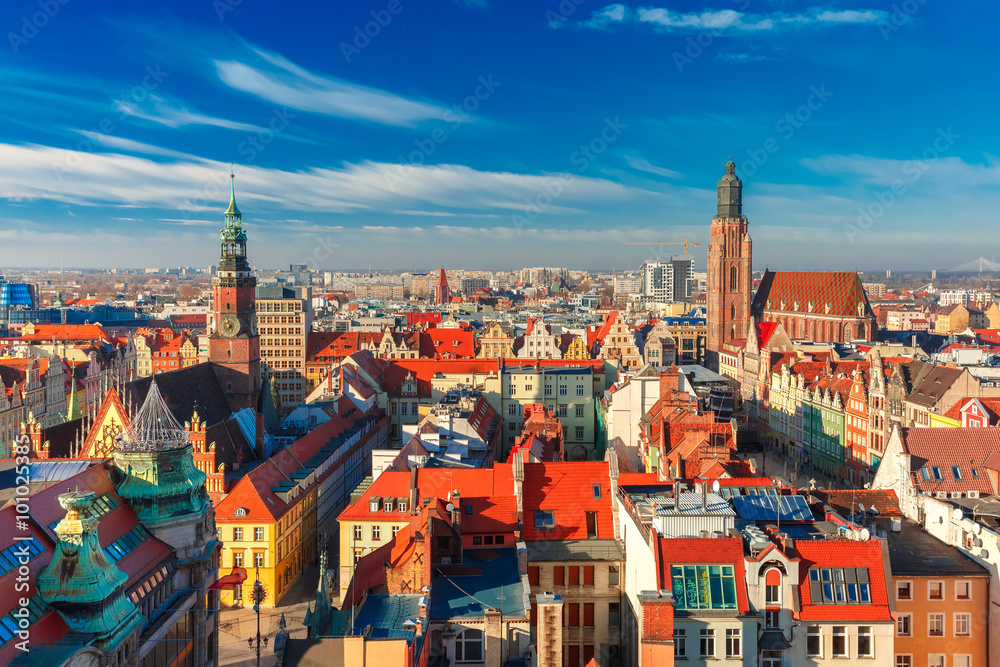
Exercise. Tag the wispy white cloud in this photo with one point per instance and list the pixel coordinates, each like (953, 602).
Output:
(131, 146)
(281, 81)
(166, 113)
(31, 172)
(642, 164)
(726, 20)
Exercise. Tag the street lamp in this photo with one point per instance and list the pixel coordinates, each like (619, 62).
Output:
(258, 595)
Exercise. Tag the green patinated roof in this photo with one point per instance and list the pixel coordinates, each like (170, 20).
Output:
(233, 208)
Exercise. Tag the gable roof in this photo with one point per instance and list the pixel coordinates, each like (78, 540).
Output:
(944, 448)
(703, 551)
(844, 553)
(841, 289)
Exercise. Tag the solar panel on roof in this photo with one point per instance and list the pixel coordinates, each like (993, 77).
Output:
(772, 508)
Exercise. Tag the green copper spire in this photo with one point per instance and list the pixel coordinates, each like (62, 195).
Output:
(233, 210)
(80, 583)
(232, 238)
(73, 409)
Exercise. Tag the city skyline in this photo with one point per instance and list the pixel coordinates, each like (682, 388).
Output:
(122, 127)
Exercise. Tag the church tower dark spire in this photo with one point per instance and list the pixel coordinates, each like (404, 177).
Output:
(730, 189)
(233, 239)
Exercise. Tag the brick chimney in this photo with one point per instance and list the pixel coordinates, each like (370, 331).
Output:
(656, 639)
(413, 491)
(549, 645)
(518, 491)
(494, 638)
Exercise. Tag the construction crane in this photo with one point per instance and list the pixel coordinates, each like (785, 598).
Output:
(683, 243)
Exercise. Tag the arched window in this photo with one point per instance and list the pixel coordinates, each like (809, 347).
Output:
(732, 278)
(861, 331)
(772, 588)
(469, 646)
(732, 312)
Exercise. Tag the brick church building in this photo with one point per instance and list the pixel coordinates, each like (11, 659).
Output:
(819, 306)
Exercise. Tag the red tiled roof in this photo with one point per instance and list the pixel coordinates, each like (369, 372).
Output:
(884, 501)
(455, 342)
(841, 289)
(844, 553)
(966, 448)
(492, 514)
(703, 551)
(90, 332)
(566, 488)
(991, 405)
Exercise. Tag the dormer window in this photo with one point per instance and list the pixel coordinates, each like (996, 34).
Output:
(373, 504)
(240, 511)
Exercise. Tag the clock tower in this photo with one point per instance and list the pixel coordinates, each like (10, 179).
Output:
(233, 344)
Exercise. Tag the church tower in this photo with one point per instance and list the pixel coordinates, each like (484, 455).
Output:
(234, 345)
(729, 267)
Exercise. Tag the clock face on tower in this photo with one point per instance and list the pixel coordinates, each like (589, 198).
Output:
(229, 326)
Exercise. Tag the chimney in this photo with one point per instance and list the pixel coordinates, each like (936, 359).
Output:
(413, 490)
(704, 495)
(494, 638)
(549, 642)
(677, 495)
(518, 490)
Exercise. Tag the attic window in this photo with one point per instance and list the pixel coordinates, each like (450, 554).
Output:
(240, 511)
(975, 473)
(956, 473)
(468, 509)
(597, 491)
(373, 504)
(937, 473)
(388, 504)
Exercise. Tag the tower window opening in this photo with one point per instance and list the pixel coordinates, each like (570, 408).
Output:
(732, 279)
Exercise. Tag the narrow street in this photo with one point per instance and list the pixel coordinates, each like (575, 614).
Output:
(238, 624)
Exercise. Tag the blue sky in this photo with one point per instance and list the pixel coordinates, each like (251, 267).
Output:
(407, 134)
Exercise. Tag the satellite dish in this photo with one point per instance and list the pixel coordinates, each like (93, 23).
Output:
(716, 486)
(985, 553)
(450, 507)
(976, 529)
(956, 514)
(865, 535)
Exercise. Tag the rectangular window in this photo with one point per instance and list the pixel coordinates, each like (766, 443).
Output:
(904, 625)
(512, 409)
(574, 575)
(477, 541)
(962, 625)
(707, 646)
(959, 660)
(814, 641)
(558, 575)
(904, 661)
(935, 590)
(935, 660)
(935, 625)
(573, 618)
(597, 490)
(703, 586)
(376, 533)
(237, 559)
(680, 643)
(772, 618)
(562, 390)
(533, 575)
(865, 646)
(258, 534)
(258, 559)
(963, 590)
(579, 390)
(562, 411)
(956, 473)
(733, 644)
(613, 575)
(544, 520)
(839, 641)
(237, 534)
(395, 529)
(772, 595)
(579, 410)
(579, 433)
(588, 614)
(548, 390)
(588, 575)
(614, 614)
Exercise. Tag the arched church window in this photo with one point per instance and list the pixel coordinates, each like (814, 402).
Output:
(732, 278)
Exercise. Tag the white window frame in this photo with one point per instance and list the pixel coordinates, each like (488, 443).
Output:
(909, 585)
(258, 534)
(963, 582)
(709, 635)
(818, 633)
(932, 615)
(941, 659)
(907, 657)
(833, 639)
(931, 585)
(967, 617)
(871, 641)
(680, 642)
(734, 639)
(460, 640)
(909, 623)
(967, 657)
